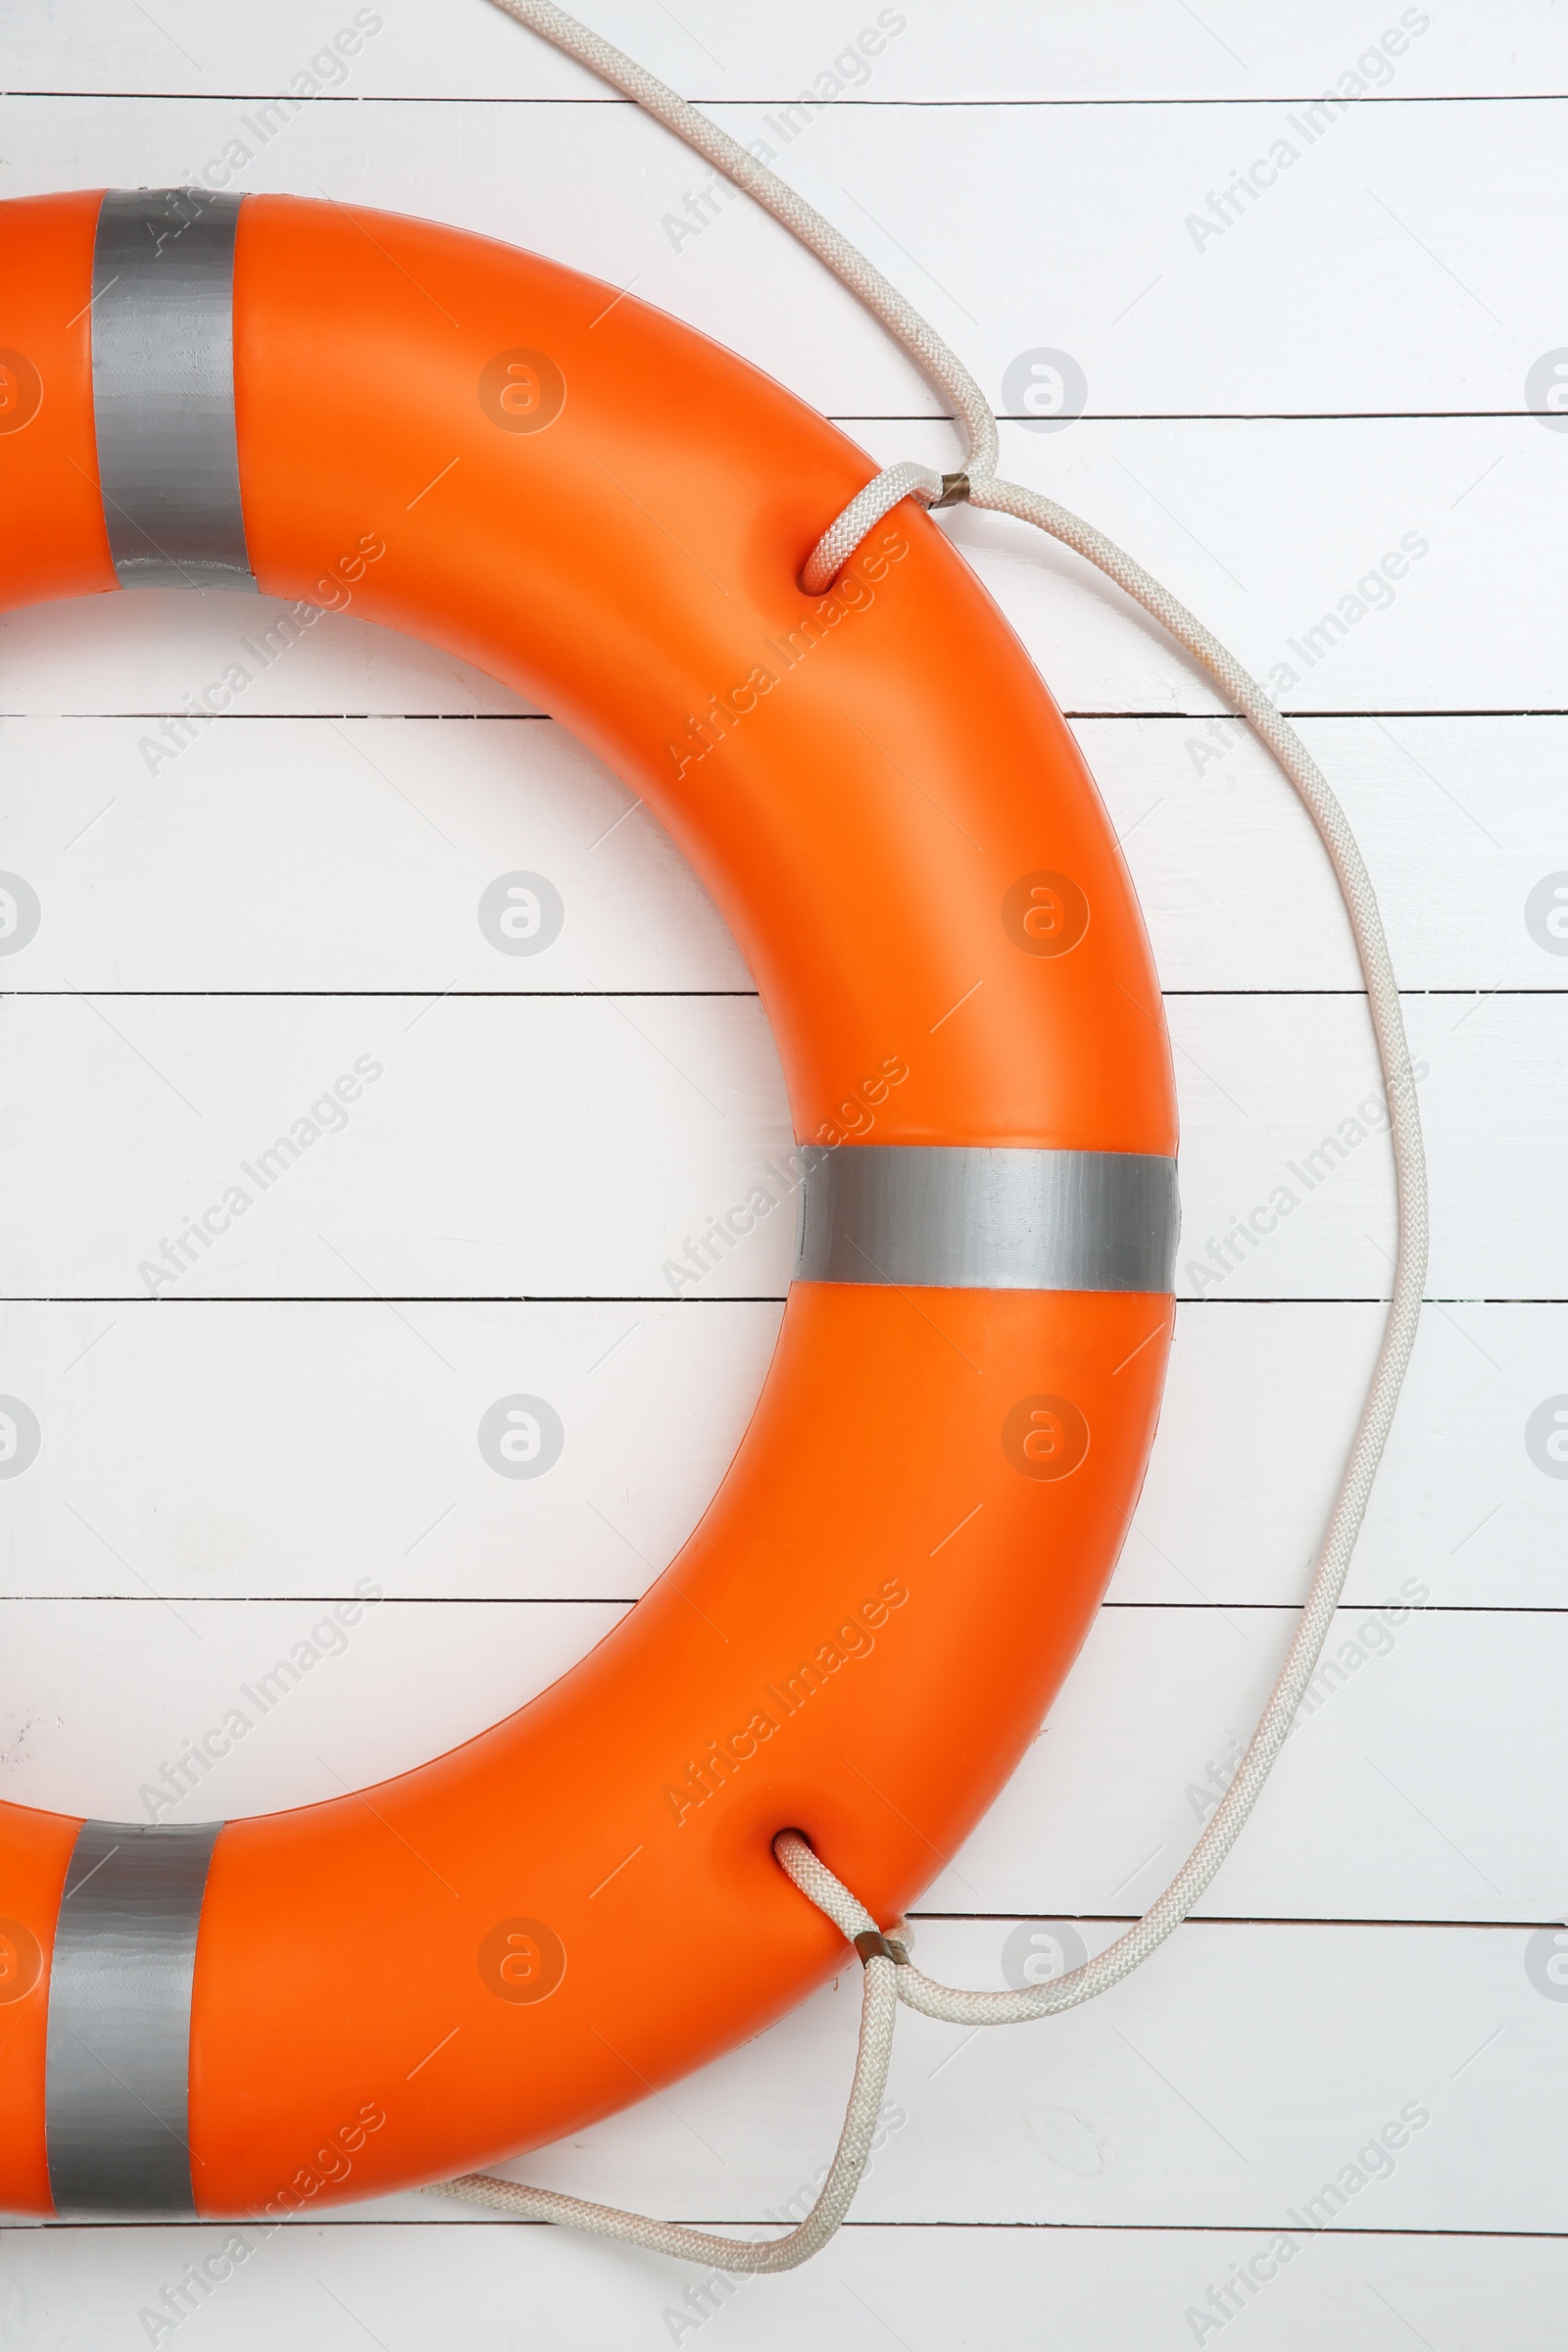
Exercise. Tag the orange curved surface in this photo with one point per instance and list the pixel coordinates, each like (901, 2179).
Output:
(865, 1631)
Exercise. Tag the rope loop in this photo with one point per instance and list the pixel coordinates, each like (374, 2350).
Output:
(865, 510)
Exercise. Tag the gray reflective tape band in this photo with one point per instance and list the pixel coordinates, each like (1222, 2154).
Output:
(163, 388)
(117, 2085)
(1001, 1219)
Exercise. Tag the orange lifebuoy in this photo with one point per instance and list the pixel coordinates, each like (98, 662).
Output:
(863, 1634)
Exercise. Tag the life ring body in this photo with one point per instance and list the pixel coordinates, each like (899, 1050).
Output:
(865, 1632)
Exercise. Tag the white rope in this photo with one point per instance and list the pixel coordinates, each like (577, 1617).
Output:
(879, 2008)
(885, 1982)
(924, 345)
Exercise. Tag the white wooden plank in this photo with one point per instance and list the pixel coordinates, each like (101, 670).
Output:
(390, 1686)
(935, 2289)
(1488, 1068)
(1215, 2090)
(475, 1162)
(156, 653)
(1448, 307)
(517, 1178)
(1378, 1810)
(1259, 1411)
(1460, 821)
(1406, 1791)
(191, 876)
(1265, 528)
(153, 1427)
(289, 1449)
(1144, 293)
(714, 49)
(1289, 518)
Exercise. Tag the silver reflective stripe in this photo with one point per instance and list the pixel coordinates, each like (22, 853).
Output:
(163, 388)
(989, 1219)
(119, 2054)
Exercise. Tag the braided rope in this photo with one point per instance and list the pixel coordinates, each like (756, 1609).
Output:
(920, 340)
(878, 2012)
(886, 1984)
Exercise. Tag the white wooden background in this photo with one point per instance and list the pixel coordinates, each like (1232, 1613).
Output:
(1353, 364)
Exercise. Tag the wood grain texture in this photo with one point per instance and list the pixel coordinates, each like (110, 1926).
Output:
(168, 863)
(469, 1159)
(228, 1450)
(1121, 2289)
(712, 50)
(1377, 1811)
(1372, 278)
(1336, 495)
